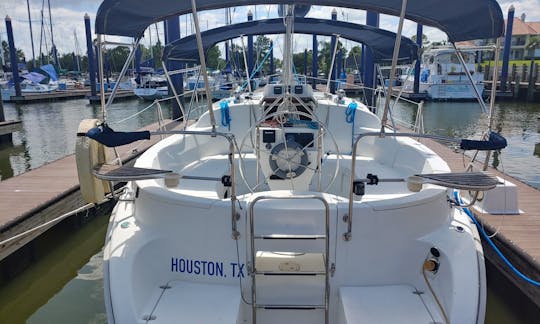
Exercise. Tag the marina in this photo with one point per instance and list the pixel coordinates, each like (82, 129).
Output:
(292, 202)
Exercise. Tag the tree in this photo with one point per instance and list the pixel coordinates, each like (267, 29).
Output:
(261, 47)
(298, 61)
(425, 40)
(213, 57)
(532, 45)
(325, 55)
(6, 58)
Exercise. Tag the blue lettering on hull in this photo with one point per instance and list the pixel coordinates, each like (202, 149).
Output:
(207, 268)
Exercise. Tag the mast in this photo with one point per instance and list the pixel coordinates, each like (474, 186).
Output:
(53, 47)
(31, 33)
(287, 47)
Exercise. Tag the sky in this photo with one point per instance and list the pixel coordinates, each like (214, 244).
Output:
(68, 22)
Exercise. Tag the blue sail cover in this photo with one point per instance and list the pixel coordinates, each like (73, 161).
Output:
(33, 77)
(379, 41)
(460, 19)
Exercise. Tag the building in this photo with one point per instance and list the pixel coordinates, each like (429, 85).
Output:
(522, 32)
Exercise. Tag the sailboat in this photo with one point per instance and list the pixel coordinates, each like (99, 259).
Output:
(289, 204)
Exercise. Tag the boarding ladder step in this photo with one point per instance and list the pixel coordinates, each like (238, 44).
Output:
(284, 269)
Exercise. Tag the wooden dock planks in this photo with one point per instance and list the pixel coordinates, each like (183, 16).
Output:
(47, 192)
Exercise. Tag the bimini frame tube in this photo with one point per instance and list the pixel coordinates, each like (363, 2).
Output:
(394, 63)
(123, 71)
(334, 50)
(167, 75)
(469, 76)
(493, 95)
(203, 63)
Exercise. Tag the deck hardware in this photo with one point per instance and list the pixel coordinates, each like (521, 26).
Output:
(359, 188)
(431, 265)
(226, 181)
(372, 179)
(149, 317)
(459, 229)
(332, 269)
(165, 286)
(435, 252)
(418, 292)
(124, 225)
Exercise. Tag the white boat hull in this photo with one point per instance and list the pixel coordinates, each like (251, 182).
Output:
(170, 255)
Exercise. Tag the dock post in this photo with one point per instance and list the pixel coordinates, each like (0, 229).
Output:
(2, 116)
(172, 33)
(517, 81)
(249, 48)
(339, 65)
(372, 19)
(272, 69)
(13, 57)
(90, 53)
(138, 55)
(332, 73)
(532, 81)
(314, 62)
(419, 34)
(507, 45)
(305, 62)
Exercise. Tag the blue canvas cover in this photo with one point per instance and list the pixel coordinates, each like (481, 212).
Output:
(459, 19)
(33, 76)
(49, 69)
(379, 41)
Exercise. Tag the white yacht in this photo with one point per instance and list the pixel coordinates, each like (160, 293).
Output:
(299, 207)
(443, 77)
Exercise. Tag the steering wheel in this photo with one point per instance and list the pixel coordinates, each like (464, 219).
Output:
(287, 159)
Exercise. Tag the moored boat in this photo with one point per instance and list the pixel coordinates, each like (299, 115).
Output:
(443, 77)
(299, 206)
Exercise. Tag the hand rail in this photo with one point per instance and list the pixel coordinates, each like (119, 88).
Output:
(348, 218)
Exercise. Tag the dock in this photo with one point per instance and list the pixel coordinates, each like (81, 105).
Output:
(49, 191)
(67, 95)
(9, 126)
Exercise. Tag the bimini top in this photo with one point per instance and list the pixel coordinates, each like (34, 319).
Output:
(379, 41)
(459, 19)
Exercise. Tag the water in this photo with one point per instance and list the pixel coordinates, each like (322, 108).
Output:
(65, 285)
(48, 130)
(517, 121)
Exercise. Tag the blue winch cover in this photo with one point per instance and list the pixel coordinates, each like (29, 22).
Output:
(110, 138)
(495, 142)
(459, 19)
(379, 41)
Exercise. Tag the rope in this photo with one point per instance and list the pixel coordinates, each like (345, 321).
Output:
(350, 115)
(493, 246)
(225, 114)
(51, 222)
(446, 319)
(259, 67)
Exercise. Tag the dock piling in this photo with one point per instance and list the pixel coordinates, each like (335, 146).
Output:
(507, 45)
(13, 57)
(90, 52)
(419, 40)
